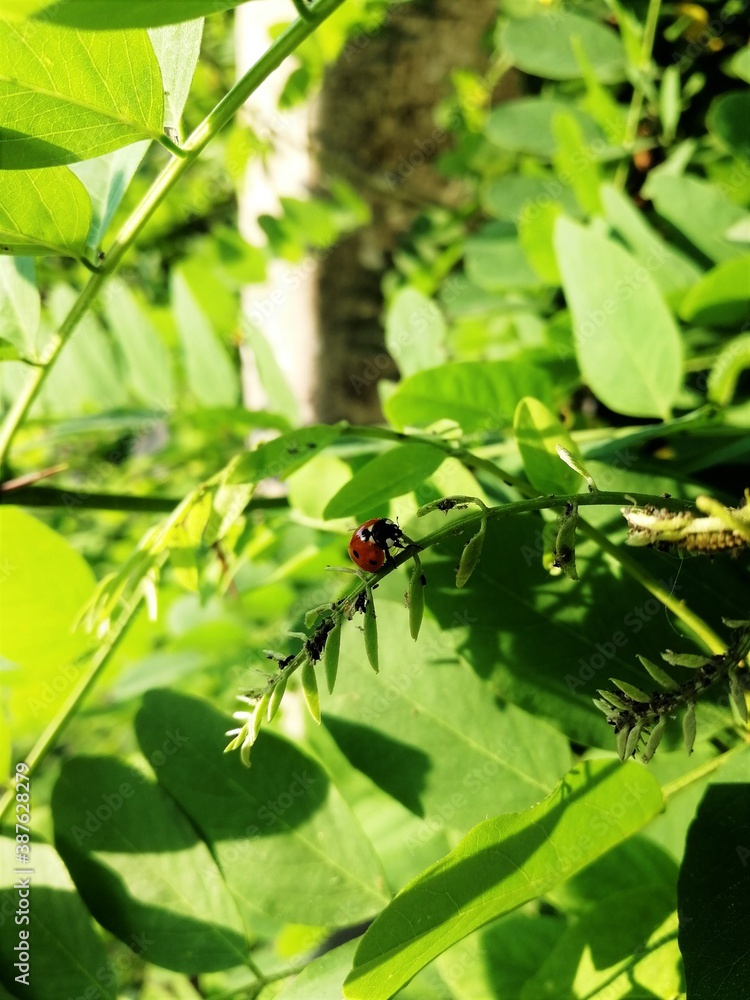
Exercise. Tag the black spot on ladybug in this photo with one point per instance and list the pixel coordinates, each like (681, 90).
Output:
(355, 553)
(372, 562)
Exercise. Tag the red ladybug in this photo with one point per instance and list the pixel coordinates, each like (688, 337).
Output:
(371, 543)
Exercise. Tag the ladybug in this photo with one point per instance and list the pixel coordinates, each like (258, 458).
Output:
(371, 543)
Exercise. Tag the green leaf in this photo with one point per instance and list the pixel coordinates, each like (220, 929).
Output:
(87, 373)
(508, 197)
(148, 363)
(106, 178)
(543, 46)
(282, 834)
(43, 212)
(500, 865)
(140, 866)
(477, 395)
(712, 893)
(67, 956)
(17, 10)
(538, 432)
(536, 231)
(177, 48)
(725, 372)
(623, 946)
(525, 125)
(671, 270)
(20, 305)
(414, 332)
(573, 159)
(498, 264)
(699, 210)
(70, 95)
(324, 976)
(35, 559)
(721, 297)
(391, 474)
(281, 398)
(211, 374)
(286, 453)
(739, 64)
(727, 121)
(497, 960)
(428, 731)
(628, 345)
(98, 14)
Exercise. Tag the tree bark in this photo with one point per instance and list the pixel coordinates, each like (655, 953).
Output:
(377, 130)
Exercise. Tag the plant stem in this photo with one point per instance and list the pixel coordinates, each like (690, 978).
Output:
(208, 129)
(46, 496)
(65, 712)
(636, 103)
(685, 780)
(697, 626)
(631, 566)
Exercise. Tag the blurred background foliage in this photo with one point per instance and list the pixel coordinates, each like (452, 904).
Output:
(643, 156)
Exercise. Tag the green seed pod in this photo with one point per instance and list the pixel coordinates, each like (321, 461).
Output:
(470, 555)
(688, 727)
(257, 719)
(690, 660)
(631, 691)
(415, 598)
(654, 739)
(635, 735)
(661, 677)
(622, 741)
(331, 659)
(276, 695)
(310, 689)
(738, 695)
(611, 698)
(371, 632)
(565, 542)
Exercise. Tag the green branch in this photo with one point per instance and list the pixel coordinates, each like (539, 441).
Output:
(208, 129)
(48, 496)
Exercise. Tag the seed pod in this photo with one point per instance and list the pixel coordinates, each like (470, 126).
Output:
(688, 727)
(310, 689)
(613, 699)
(331, 659)
(415, 598)
(635, 735)
(470, 555)
(661, 677)
(565, 542)
(690, 660)
(622, 741)
(738, 695)
(371, 632)
(276, 695)
(654, 739)
(257, 719)
(631, 691)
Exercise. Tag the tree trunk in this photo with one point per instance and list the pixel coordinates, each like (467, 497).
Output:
(377, 130)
